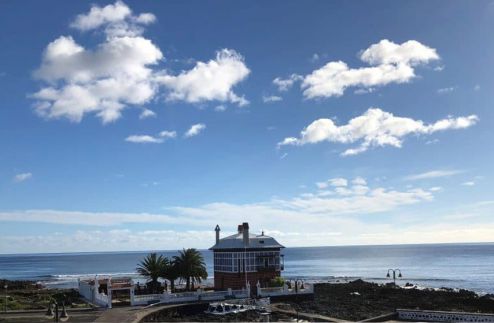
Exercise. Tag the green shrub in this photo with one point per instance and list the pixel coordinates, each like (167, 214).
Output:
(277, 282)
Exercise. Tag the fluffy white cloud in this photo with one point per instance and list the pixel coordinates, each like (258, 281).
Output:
(446, 90)
(213, 80)
(102, 81)
(22, 177)
(390, 63)
(143, 139)
(122, 71)
(433, 174)
(116, 18)
(271, 98)
(338, 182)
(168, 134)
(374, 128)
(194, 130)
(469, 183)
(146, 113)
(147, 139)
(359, 181)
(220, 108)
(286, 84)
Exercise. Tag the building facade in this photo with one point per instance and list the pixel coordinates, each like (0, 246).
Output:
(245, 258)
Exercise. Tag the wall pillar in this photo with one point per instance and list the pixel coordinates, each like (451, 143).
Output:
(109, 292)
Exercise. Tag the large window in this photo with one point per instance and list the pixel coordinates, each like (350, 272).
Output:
(251, 260)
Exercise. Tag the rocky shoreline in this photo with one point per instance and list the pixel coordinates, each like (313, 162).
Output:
(359, 300)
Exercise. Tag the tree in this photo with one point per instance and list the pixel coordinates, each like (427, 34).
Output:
(171, 273)
(153, 267)
(191, 267)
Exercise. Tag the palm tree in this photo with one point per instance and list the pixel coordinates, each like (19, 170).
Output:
(153, 267)
(191, 266)
(171, 273)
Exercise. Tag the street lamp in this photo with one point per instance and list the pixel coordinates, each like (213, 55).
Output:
(5, 287)
(53, 311)
(394, 271)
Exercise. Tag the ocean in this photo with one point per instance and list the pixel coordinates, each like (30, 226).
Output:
(468, 266)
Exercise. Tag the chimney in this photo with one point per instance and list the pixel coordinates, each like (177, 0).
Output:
(217, 229)
(240, 228)
(245, 231)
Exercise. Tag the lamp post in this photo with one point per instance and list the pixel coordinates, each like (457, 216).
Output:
(394, 271)
(5, 287)
(53, 311)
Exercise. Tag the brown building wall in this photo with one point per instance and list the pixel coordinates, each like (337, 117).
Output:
(237, 280)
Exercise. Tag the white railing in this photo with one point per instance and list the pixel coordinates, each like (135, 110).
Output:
(86, 290)
(214, 295)
(241, 293)
(198, 295)
(101, 299)
(282, 291)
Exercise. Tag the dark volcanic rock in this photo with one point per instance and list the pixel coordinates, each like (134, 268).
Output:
(353, 301)
(340, 301)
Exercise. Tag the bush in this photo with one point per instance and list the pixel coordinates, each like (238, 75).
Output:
(277, 282)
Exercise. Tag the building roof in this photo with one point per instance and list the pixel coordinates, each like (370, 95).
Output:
(255, 242)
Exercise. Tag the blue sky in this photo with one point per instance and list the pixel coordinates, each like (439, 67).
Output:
(142, 124)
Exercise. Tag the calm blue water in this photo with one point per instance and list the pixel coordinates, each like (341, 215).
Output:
(469, 266)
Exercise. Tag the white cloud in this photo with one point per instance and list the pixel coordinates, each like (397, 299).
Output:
(364, 91)
(476, 87)
(339, 181)
(446, 90)
(276, 213)
(102, 81)
(98, 16)
(194, 130)
(271, 98)
(22, 177)
(322, 185)
(469, 183)
(349, 216)
(117, 19)
(390, 63)
(143, 139)
(315, 57)
(121, 71)
(168, 134)
(433, 174)
(436, 189)
(439, 68)
(359, 181)
(146, 113)
(147, 139)
(286, 84)
(209, 81)
(220, 108)
(375, 128)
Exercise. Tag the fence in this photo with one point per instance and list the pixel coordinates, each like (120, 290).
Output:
(89, 290)
(284, 291)
(199, 295)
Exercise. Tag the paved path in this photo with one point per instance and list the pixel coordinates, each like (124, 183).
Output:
(39, 316)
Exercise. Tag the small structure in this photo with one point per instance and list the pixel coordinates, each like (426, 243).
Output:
(246, 259)
(103, 291)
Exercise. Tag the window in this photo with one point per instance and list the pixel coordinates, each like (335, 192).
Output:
(251, 261)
